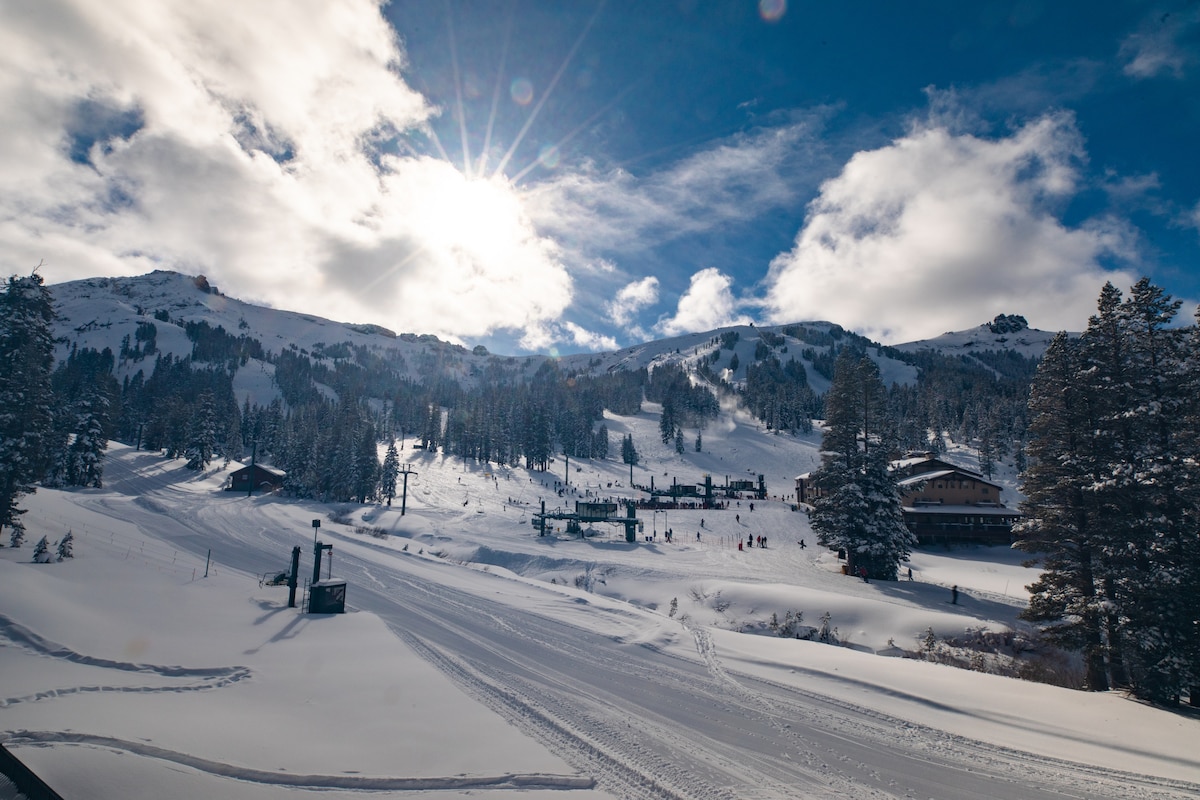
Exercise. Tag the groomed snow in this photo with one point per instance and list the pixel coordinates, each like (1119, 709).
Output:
(483, 666)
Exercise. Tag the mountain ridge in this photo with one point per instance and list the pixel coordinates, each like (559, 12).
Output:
(100, 312)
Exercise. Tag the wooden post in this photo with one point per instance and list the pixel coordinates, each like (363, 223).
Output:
(293, 576)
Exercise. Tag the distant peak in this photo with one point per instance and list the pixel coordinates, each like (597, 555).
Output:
(1007, 323)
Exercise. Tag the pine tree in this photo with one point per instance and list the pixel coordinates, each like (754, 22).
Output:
(629, 454)
(666, 421)
(66, 546)
(600, 445)
(1160, 476)
(390, 472)
(202, 441)
(431, 428)
(1113, 492)
(699, 442)
(41, 551)
(85, 464)
(859, 510)
(1061, 517)
(366, 464)
(26, 403)
(679, 440)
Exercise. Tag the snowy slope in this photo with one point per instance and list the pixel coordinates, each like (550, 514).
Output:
(481, 659)
(1027, 341)
(101, 312)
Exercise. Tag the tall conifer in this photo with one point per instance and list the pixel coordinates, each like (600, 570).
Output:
(26, 402)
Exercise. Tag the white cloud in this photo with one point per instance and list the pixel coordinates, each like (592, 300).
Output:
(731, 181)
(590, 340)
(632, 298)
(708, 303)
(1155, 48)
(237, 139)
(940, 232)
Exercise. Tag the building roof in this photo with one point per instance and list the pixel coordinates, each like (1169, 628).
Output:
(276, 471)
(942, 473)
(959, 510)
(935, 463)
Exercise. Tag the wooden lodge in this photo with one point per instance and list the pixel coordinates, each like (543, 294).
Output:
(256, 478)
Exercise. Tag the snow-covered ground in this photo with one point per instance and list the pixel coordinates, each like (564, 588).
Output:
(480, 659)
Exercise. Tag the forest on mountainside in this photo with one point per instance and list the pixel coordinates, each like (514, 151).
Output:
(1108, 422)
(337, 399)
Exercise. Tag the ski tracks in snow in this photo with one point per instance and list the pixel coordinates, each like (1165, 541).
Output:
(524, 781)
(211, 678)
(200, 678)
(1020, 771)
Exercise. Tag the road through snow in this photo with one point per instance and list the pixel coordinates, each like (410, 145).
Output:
(646, 721)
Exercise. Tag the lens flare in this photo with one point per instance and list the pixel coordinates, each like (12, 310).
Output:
(548, 156)
(521, 91)
(772, 10)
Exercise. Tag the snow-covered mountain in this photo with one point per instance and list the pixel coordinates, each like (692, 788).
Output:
(102, 312)
(1005, 332)
(143, 317)
(109, 312)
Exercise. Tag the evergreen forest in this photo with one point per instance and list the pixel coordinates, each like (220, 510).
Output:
(1105, 429)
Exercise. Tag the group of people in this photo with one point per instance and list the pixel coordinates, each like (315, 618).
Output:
(751, 541)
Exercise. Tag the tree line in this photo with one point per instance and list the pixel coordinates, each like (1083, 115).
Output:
(1111, 418)
(1113, 495)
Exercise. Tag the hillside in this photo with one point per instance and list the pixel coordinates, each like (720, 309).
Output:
(481, 658)
(165, 314)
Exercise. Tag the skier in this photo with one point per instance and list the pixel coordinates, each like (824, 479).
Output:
(802, 544)
(739, 545)
(910, 573)
(954, 594)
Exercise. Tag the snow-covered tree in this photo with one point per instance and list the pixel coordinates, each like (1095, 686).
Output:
(600, 443)
(41, 551)
(366, 464)
(390, 472)
(202, 440)
(85, 462)
(859, 510)
(26, 402)
(1157, 480)
(1113, 490)
(1062, 519)
(667, 426)
(66, 546)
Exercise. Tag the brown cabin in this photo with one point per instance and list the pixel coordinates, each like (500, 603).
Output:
(942, 503)
(256, 478)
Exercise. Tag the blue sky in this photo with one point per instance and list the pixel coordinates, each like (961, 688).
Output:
(561, 177)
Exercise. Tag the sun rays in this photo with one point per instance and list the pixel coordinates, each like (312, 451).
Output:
(522, 92)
